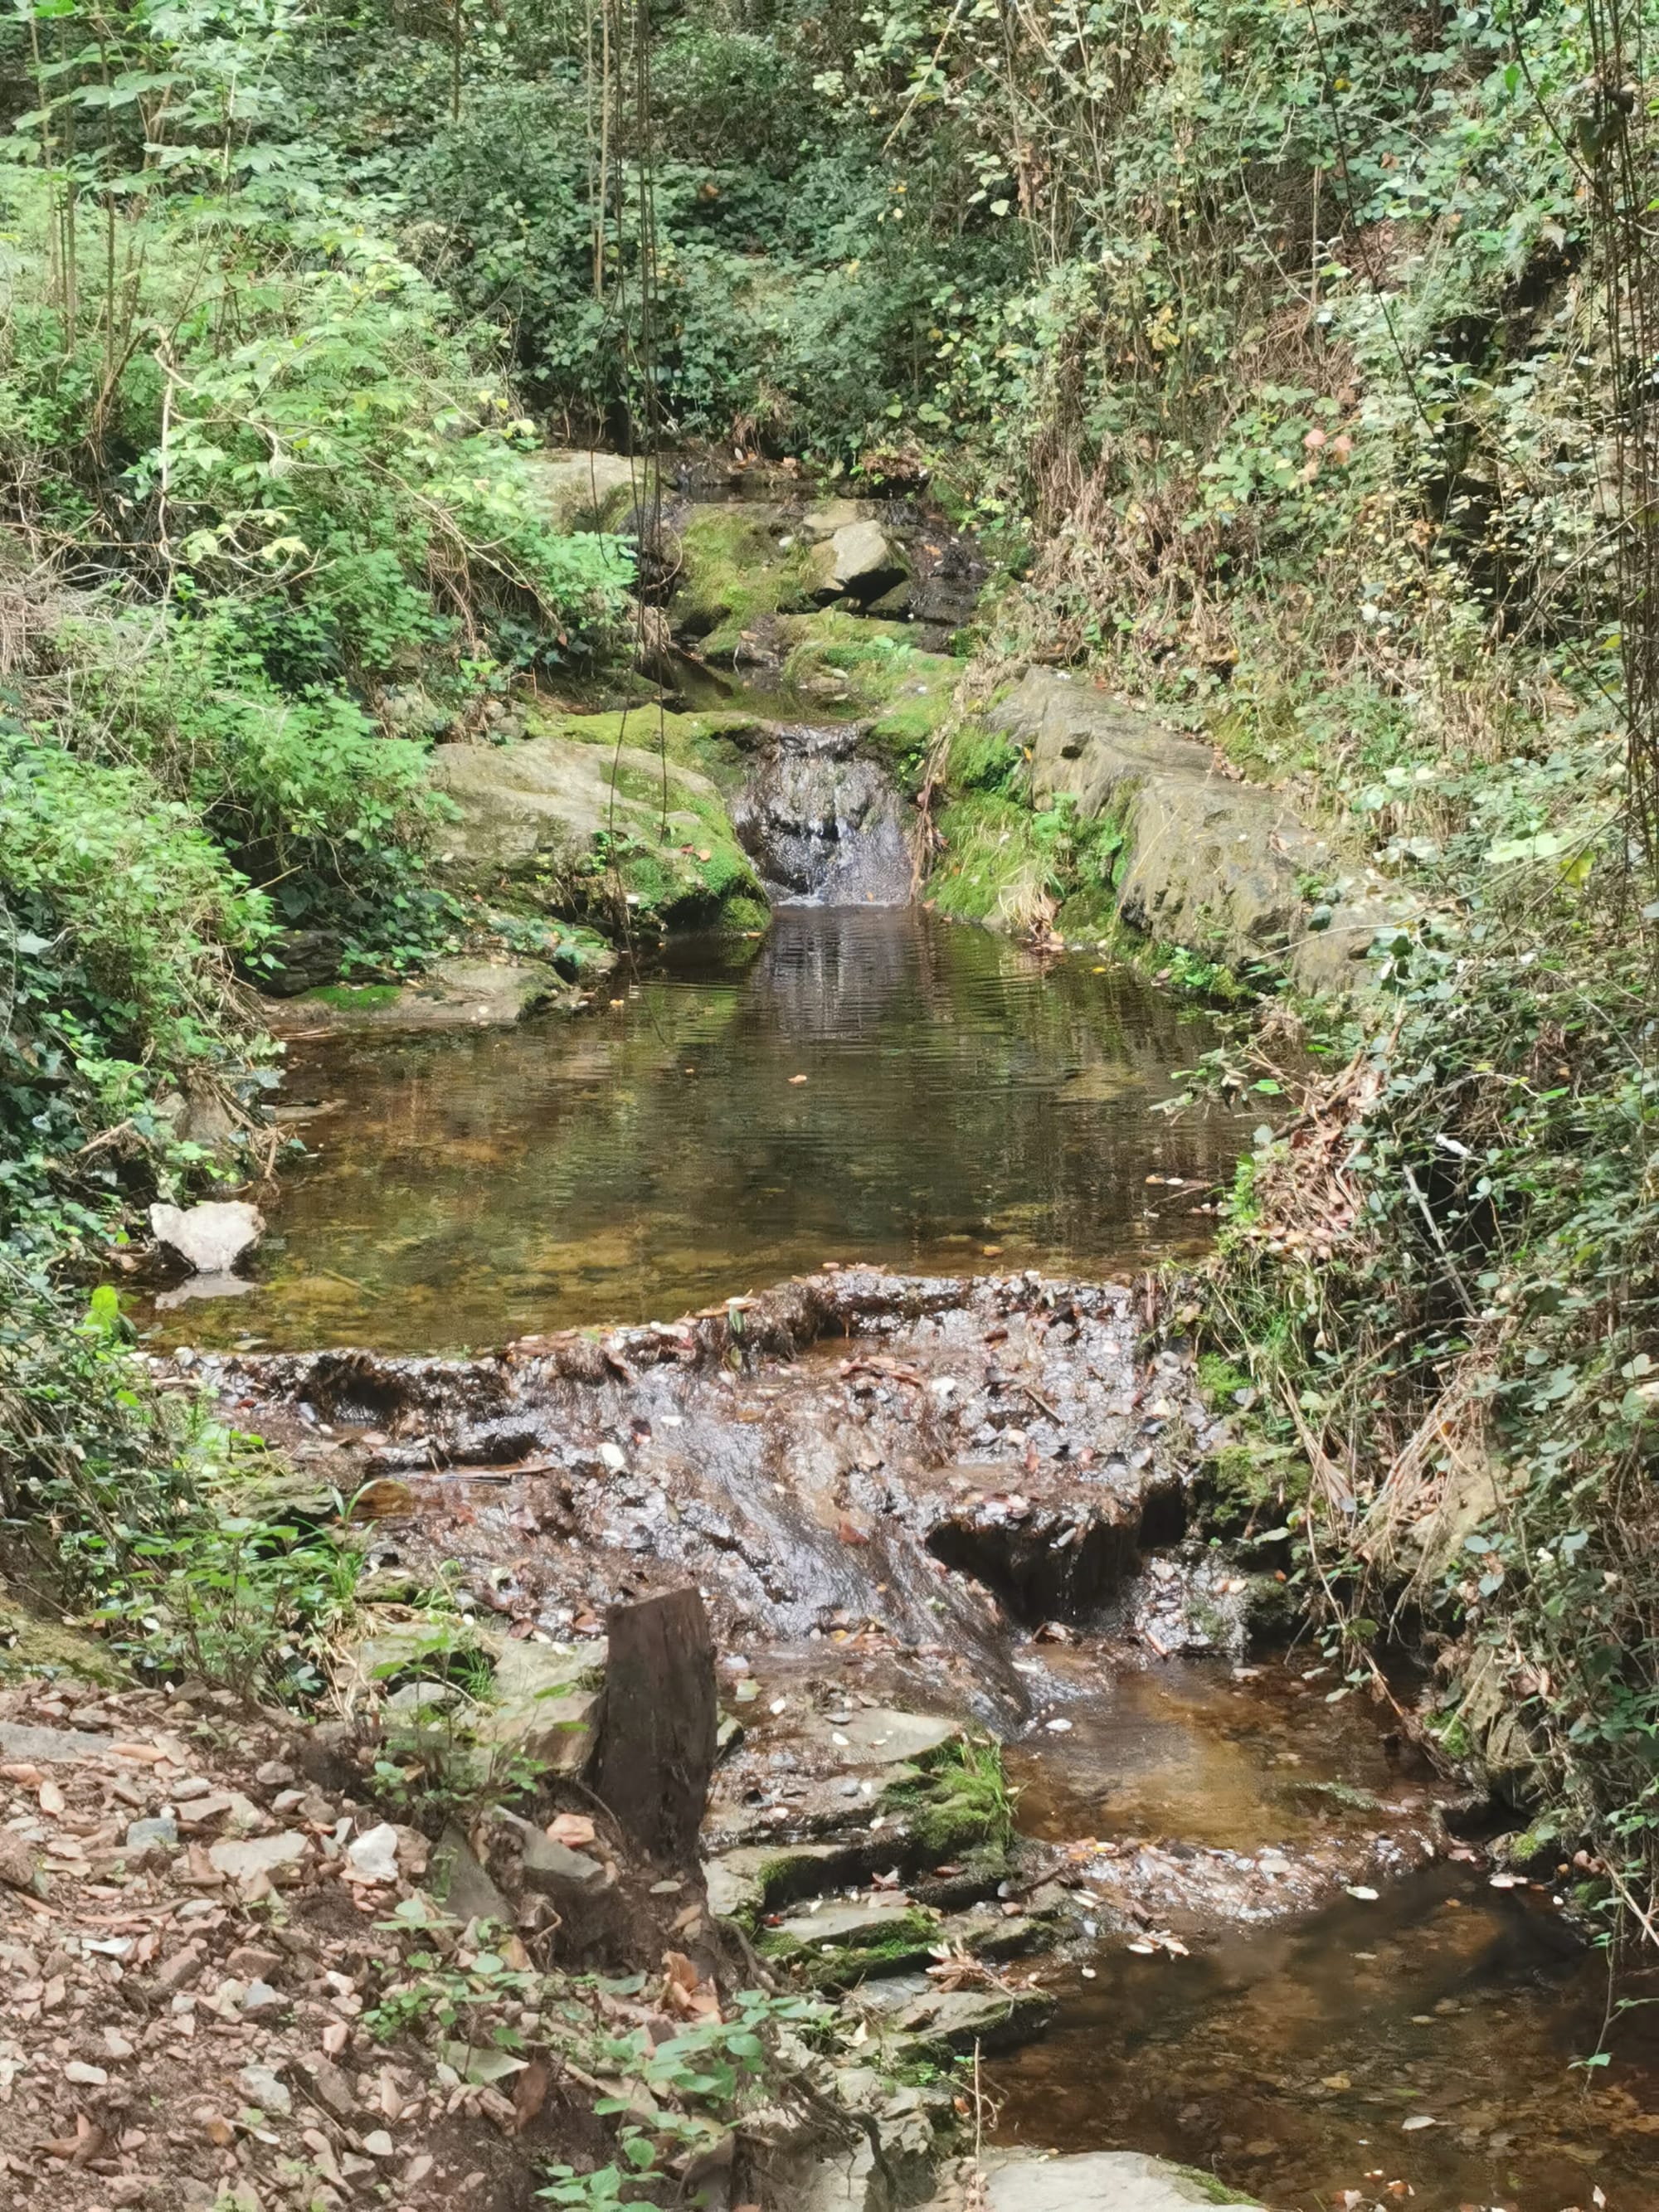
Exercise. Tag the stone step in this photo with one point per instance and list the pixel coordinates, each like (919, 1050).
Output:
(920, 2018)
(1098, 2181)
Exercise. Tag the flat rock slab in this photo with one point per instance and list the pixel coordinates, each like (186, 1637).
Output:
(849, 1920)
(1100, 2181)
(884, 1738)
(763, 1876)
(259, 1854)
(49, 1746)
(928, 2022)
(457, 994)
(793, 1456)
(212, 1236)
(1213, 864)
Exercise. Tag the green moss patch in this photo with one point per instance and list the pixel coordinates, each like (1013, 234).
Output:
(735, 576)
(32, 1645)
(354, 998)
(909, 694)
(905, 1940)
(960, 1804)
(719, 743)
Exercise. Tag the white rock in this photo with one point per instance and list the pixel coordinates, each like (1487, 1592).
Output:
(213, 1236)
(258, 1854)
(373, 1854)
(1100, 2181)
(263, 2089)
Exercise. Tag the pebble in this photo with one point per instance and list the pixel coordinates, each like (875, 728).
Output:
(379, 2144)
(265, 2090)
(373, 1854)
(85, 2077)
(162, 1829)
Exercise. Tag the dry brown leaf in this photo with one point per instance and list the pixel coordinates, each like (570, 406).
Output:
(51, 1800)
(571, 1829)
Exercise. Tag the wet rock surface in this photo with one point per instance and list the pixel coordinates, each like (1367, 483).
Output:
(1100, 2181)
(823, 823)
(922, 1454)
(455, 994)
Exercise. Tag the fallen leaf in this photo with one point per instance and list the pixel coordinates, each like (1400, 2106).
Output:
(798, 1078)
(572, 1829)
(51, 1799)
(1417, 2120)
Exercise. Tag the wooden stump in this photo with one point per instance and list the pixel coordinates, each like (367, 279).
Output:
(657, 1724)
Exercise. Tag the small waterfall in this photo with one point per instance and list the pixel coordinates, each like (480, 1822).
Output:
(823, 823)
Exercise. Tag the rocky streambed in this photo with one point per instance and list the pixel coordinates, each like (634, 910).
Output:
(1024, 1759)
(1012, 1764)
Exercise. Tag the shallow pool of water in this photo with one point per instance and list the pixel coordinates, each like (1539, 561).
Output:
(859, 1085)
(1424, 2050)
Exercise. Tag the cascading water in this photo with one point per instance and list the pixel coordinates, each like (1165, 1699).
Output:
(823, 824)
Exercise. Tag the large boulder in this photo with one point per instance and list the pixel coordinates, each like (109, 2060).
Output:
(586, 491)
(538, 815)
(858, 561)
(1212, 864)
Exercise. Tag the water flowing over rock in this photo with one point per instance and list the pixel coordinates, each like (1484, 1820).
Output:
(823, 823)
(930, 1453)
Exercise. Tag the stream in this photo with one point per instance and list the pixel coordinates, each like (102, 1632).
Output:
(866, 1087)
(863, 1084)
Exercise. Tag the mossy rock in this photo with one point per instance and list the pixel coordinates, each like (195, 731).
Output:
(736, 574)
(572, 819)
(36, 1645)
(959, 1803)
(883, 1943)
(909, 694)
(1249, 1481)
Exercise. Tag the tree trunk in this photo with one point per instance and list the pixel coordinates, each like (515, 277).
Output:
(657, 1724)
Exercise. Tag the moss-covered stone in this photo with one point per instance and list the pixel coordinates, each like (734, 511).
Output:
(959, 1803)
(587, 813)
(900, 1939)
(35, 1644)
(909, 694)
(735, 574)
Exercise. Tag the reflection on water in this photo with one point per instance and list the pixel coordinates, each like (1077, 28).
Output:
(958, 1092)
(1293, 2060)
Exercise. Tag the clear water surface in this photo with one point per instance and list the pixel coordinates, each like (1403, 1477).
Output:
(869, 1084)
